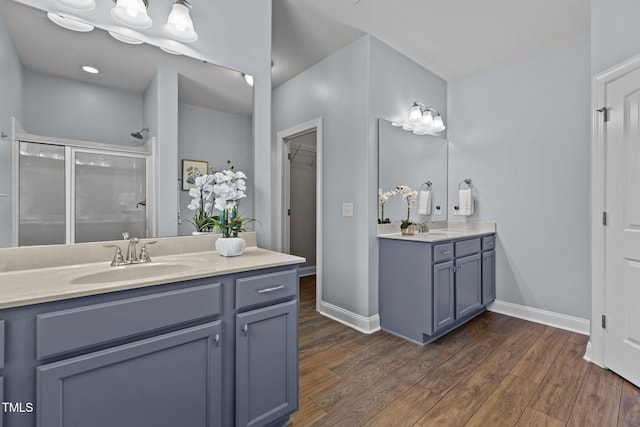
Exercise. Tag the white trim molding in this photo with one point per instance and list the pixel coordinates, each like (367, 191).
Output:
(596, 347)
(550, 318)
(366, 325)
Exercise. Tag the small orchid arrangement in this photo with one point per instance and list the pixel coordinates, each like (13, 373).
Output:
(228, 188)
(383, 197)
(202, 203)
(410, 197)
(221, 191)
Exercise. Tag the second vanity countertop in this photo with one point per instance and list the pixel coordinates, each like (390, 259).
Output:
(439, 232)
(37, 285)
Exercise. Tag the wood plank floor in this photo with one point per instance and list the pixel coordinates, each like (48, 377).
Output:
(494, 371)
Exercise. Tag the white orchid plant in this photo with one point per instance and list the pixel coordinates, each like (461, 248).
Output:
(383, 197)
(221, 191)
(202, 203)
(410, 197)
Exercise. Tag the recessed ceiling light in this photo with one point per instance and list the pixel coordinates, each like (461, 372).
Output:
(89, 69)
(69, 23)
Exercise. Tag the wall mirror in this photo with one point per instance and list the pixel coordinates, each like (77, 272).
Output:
(214, 108)
(411, 160)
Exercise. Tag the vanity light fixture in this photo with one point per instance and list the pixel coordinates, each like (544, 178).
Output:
(422, 120)
(69, 23)
(248, 78)
(89, 69)
(179, 25)
(132, 13)
(124, 39)
(83, 5)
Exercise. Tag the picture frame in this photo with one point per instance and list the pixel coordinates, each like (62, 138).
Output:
(191, 169)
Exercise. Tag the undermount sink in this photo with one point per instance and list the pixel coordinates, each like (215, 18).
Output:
(130, 272)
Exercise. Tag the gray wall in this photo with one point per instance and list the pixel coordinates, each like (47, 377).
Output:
(395, 82)
(521, 132)
(65, 108)
(615, 33)
(11, 105)
(216, 137)
(350, 90)
(336, 90)
(161, 117)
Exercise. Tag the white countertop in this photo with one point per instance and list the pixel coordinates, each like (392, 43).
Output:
(441, 232)
(37, 285)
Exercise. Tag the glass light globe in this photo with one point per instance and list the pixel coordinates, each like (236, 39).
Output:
(179, 26)
(132, 13)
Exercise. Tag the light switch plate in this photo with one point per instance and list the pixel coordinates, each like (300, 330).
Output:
(347, 209)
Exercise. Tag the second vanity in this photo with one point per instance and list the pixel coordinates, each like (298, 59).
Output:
(430, 283)
(196, 339)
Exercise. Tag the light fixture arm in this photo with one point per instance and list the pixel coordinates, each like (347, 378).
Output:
(185, 3)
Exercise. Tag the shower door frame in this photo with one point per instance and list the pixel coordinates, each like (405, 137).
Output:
(71, 147)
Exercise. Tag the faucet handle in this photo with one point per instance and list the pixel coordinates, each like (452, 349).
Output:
(144, 254)
(125, 235)
(118, 259)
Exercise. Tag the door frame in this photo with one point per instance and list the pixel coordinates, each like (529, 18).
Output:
(282, 194)
(596, 347)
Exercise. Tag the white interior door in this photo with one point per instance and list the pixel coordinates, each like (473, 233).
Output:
(622, 236)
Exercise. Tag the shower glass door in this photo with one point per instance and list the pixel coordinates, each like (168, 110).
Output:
(109, 195)
(42, 200)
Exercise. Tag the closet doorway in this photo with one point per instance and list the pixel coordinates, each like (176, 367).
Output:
(300, 197)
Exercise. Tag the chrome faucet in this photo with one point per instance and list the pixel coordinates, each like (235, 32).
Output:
(423, 227)
(132, 256)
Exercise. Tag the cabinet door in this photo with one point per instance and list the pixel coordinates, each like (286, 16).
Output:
(443, 295)
(488, 277)
(468, 285)
(266, 364)
(169, 380)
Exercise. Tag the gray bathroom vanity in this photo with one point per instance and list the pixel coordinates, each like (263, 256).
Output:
(210, 344)
(430, 283)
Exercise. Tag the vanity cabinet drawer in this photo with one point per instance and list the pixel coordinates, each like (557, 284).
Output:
(466, 247)
(442, 252)
(68, 330)
(265, 288)
(488, 243)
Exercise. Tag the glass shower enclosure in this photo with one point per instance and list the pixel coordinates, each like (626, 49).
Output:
(78, 194)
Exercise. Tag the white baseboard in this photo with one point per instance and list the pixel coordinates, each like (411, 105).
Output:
(366, 325)
(557, 320)
(589, 352)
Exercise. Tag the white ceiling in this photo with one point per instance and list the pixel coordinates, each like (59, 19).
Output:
(452, 38)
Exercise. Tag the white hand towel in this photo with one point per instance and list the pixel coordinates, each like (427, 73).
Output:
(424, 203)
(465, 202)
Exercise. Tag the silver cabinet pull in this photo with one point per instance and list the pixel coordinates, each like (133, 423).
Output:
(216, 339)
(446, 252)
(273, 289)
(245, 329)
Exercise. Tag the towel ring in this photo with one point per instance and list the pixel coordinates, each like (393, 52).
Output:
(427, 184)
(467, 182)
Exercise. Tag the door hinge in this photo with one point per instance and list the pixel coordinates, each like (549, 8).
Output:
(289, 156)
(605, 113)
(604, 321)
(604, 218)
(289, 211)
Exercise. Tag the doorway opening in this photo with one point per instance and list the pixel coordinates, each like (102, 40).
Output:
(300, 197)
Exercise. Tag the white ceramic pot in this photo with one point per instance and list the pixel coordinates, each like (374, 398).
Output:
(230, 246)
